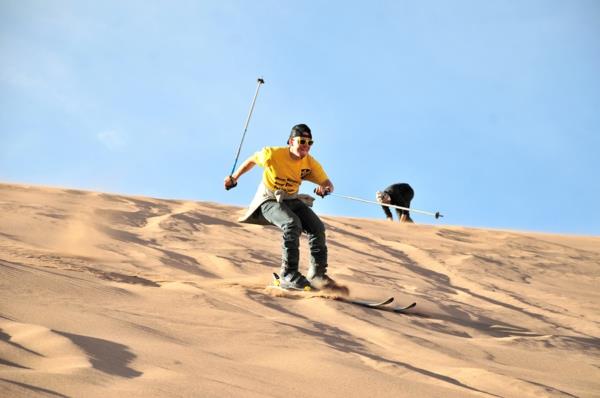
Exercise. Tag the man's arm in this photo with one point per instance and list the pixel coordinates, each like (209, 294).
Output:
(231, 181)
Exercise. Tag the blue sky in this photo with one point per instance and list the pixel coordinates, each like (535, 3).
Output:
(489, 109)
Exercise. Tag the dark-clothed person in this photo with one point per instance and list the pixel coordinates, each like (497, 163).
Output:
(399, 194)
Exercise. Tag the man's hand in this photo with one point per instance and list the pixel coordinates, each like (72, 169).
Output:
(230, 182)
(323, 191)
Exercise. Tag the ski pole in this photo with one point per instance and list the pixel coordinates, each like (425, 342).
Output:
(259, 81)
(436, 214)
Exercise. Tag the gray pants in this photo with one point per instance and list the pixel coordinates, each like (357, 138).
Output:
(293, 217)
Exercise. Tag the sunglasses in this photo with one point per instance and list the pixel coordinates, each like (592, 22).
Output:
(303, 141)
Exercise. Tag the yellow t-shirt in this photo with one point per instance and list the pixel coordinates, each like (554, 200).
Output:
(283, 172)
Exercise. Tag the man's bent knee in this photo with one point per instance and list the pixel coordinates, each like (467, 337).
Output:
(291, 229)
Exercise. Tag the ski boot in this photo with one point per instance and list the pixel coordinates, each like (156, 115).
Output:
(292, 280)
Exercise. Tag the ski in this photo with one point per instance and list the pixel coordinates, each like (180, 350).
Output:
(368, 304)
(403, 309)
(382, 305)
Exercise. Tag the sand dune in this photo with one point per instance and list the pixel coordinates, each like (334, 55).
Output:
(109, 295)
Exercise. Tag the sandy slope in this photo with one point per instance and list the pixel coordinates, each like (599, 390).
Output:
(138, 297)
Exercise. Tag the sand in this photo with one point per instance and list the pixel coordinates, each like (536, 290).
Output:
(113, 295)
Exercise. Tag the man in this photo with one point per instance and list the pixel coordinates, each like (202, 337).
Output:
(277, 202)
(398, 195)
